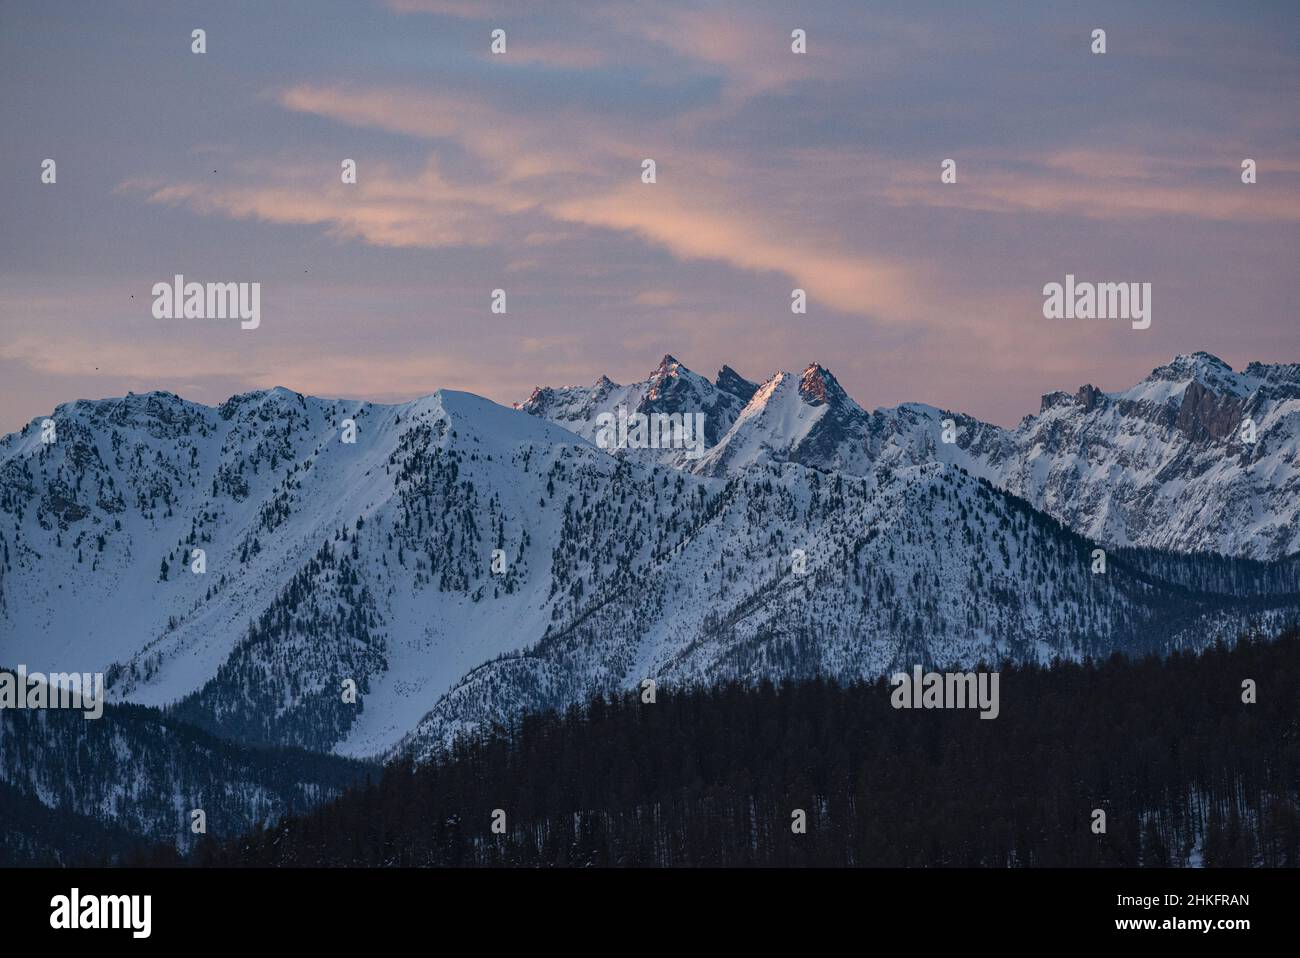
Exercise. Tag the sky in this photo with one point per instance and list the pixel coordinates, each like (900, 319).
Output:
(522, 171)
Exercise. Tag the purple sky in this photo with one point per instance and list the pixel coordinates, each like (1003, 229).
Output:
(522, 171)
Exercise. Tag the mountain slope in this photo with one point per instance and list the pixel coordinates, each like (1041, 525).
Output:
(786, 572)
(325, 560)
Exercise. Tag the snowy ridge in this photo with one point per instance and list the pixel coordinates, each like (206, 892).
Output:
(461, 561)
(1163, 464)
(670, 388)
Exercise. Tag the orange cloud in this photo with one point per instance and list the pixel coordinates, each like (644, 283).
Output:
(693, 227)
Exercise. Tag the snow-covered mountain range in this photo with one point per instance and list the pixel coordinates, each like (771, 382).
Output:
(462, 562)
(1165, 464)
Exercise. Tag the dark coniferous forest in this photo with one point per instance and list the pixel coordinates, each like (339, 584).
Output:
(1185, 771)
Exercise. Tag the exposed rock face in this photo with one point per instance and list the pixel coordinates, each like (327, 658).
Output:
(1055, 398)
(1204, 416)
(818, 386)
(1164, 464)
(730, 381)
(1088, 396)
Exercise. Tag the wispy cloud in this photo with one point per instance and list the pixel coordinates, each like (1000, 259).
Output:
(524, 162)
(1109, 185)
(776, 170)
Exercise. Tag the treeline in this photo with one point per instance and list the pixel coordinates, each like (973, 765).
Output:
(1185, 771)
(281, 685)
(35, 835)
(1208, 572)
(78, 791)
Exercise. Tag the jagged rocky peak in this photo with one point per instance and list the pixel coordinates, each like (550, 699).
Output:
(262, 403)
(730, 381)
(154, 401)
(1089, 397)
(668, 366)
(1280, 379)
(564, 401)
(602, 388)
(1211, 399)
(1278, 371)
(159, 412)
(1057, 397)
(670, 377)
(536, 399)
(1190, 363)
(1207, 369)
(818, 386)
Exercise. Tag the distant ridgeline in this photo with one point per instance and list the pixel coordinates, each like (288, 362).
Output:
(1184, 765)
